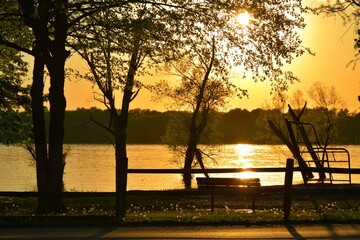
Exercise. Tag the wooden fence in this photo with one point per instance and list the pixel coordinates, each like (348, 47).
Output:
(287, 188)
(288, 179)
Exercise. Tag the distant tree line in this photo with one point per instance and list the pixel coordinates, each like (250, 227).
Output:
(234, 126)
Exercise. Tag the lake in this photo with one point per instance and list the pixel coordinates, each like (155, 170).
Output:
(92, 167)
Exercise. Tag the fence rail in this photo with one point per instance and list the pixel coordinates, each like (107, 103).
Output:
(236, 170)
(287, 187)
(208, 170)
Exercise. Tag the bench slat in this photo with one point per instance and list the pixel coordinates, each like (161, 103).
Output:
(228, 182)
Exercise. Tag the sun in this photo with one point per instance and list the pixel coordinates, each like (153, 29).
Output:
(244, 18)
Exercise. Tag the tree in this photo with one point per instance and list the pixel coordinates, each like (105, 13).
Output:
(324, 117)
(159, 31)
(122, 39)
(260, 48)
(328, 102)
(297, 99)
(357, 41)
(349, 11)
(12, 71)
(50, 22)
(14, 97)
(238, 126)
(204, 88)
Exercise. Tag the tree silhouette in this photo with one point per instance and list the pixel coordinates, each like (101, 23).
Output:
(204, 87)
(349, 11)
(136, 32)
(125, 42)
(14, 97)
(261, 48)
(50, 24)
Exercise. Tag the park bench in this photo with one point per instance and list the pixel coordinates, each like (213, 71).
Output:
(241, 186)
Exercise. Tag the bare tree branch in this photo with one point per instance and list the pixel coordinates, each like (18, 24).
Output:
(16, 47)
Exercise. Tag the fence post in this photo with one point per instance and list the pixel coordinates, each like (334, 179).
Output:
(288, 188)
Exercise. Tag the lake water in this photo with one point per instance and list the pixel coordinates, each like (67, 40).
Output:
(92, 167)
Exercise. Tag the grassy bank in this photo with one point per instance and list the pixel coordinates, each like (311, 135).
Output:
(185, 210)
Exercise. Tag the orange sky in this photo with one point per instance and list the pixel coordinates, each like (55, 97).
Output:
(326, 36)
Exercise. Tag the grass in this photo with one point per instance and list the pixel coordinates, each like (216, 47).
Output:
(184, 210)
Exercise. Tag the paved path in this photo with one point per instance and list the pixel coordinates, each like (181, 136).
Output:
(347, 231)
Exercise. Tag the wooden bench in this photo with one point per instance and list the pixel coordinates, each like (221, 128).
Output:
(248, 186)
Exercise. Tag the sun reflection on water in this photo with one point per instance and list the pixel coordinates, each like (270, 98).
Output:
(243, 153)
(246, 175)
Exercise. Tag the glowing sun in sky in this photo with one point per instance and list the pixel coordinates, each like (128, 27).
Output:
(244, 18)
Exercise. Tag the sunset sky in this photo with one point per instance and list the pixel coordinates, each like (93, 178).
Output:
(326, 36)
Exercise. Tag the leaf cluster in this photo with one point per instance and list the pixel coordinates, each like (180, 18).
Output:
(13, 95)
(168, 30)
(349, 12)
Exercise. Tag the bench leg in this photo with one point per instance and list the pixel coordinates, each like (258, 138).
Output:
(253, 203)
(212, 202)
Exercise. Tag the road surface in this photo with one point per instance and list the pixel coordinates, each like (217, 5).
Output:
(333, 231)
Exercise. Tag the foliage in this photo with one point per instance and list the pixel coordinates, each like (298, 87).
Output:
(239, 125)
(327, 115)
(349, 12)
(15, 127)
(183, 95)
(327, 100)
(236, 126)
(109, 41)
(14, 95)
(262, 48)
(176, 136)
(325, 96)
(12, 72)
(217, 46)
(270, 41)
(204, 87)
(121, 42)
(50, 24)
(357, 41)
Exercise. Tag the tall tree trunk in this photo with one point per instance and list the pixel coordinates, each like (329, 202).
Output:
(121, 162)
(56, 135)
(194, 128)
(192, 151)
(37, 92)
(120, 131)
(49, 50)
(191, 145)
(56, 65)
(121, 154)
(189, 158)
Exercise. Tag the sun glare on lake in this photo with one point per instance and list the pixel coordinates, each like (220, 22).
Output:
(246, 175)
(244, 151)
